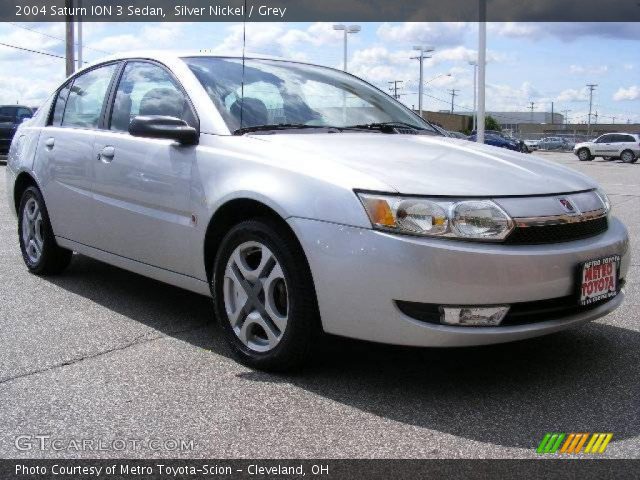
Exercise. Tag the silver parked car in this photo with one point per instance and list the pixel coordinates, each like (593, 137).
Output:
(304, 200)
(625, 146)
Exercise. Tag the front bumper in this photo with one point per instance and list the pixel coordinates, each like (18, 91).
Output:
(360, 273)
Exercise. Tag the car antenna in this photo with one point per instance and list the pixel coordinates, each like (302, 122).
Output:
(244, 44)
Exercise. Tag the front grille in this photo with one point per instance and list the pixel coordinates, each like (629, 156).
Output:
(562, 232)
(519, 314)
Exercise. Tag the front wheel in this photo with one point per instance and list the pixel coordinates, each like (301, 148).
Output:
(628, 157)
(40, 252)
(264, 296)
(584, 155)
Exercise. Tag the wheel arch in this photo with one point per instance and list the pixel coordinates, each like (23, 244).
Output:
(23, 181)
(230, 213)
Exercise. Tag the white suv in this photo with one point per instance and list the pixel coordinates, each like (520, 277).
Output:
(625, 146)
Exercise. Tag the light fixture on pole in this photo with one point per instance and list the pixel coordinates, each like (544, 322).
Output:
(475, 90)
(347, 30)
(422, 49)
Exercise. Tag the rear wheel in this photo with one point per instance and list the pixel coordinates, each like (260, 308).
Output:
(40, 252)
(584, 154)
(264, 296)
(628, 157)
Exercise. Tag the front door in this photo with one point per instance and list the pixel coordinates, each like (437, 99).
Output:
(142, 187)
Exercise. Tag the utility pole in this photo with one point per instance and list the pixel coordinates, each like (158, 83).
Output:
(613, 120)
(79, 35)
(482, 64)
(592, 87)
(566, 116)
(453, 95)
(70, 65)
(596, 115)
(394, 88)
(552, 119)
(531, 108)
(422, 49)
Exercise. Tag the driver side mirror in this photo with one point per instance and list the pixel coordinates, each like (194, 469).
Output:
(160, 126)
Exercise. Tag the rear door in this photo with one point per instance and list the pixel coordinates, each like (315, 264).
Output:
(625, 142)
(65, 161)
(142, 186)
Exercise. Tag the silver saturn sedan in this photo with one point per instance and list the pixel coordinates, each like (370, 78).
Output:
(304, 200)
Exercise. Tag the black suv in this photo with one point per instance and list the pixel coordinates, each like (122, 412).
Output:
(10, 117)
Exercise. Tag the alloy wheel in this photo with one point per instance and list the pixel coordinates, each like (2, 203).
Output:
(256, 297)
(627, 157)
(32, 237)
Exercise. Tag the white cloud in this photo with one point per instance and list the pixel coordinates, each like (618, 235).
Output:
(588, 69)
(573, 95)
(630, 93)
(153, 36)
(441, 33)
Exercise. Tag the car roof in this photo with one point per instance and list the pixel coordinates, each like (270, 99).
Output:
(16, 106)
(170, 56)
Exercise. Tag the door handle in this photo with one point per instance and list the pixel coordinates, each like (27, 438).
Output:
(107, 154)
(50, 142)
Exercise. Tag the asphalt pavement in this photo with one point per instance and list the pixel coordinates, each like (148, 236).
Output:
(103, 355)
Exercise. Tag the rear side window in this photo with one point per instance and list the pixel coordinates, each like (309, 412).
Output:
(86, 98)
(626, 138)
(61, 101)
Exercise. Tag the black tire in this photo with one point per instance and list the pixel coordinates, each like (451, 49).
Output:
(627, 156)
(303, 325)
(584, 155)
(53, 259)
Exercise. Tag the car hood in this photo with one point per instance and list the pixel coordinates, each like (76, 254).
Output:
(428, 165)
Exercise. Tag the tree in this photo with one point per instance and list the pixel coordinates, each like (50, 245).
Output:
(491, 123)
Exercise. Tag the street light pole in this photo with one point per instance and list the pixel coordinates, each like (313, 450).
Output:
(475, 91)
(347, 30)
(423, 49)
(482, 63)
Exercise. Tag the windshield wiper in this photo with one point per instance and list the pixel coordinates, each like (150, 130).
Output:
(387, 127)
(277, 126)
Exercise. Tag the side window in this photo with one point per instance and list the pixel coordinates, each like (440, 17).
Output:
(148, 89)
(61, 101)
(604, 139)
(7, 114)
(22, 114)
(626, 138)
(86, 98)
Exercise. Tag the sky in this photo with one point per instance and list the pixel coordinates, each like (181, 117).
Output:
(527, 62)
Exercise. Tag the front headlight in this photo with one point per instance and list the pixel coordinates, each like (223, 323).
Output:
(605, 199)
(432, 217)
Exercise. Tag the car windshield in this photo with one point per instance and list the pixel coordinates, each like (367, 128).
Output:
(280, 95)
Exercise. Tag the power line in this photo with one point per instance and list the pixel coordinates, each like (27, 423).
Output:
(32, 51)
(56, 38)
